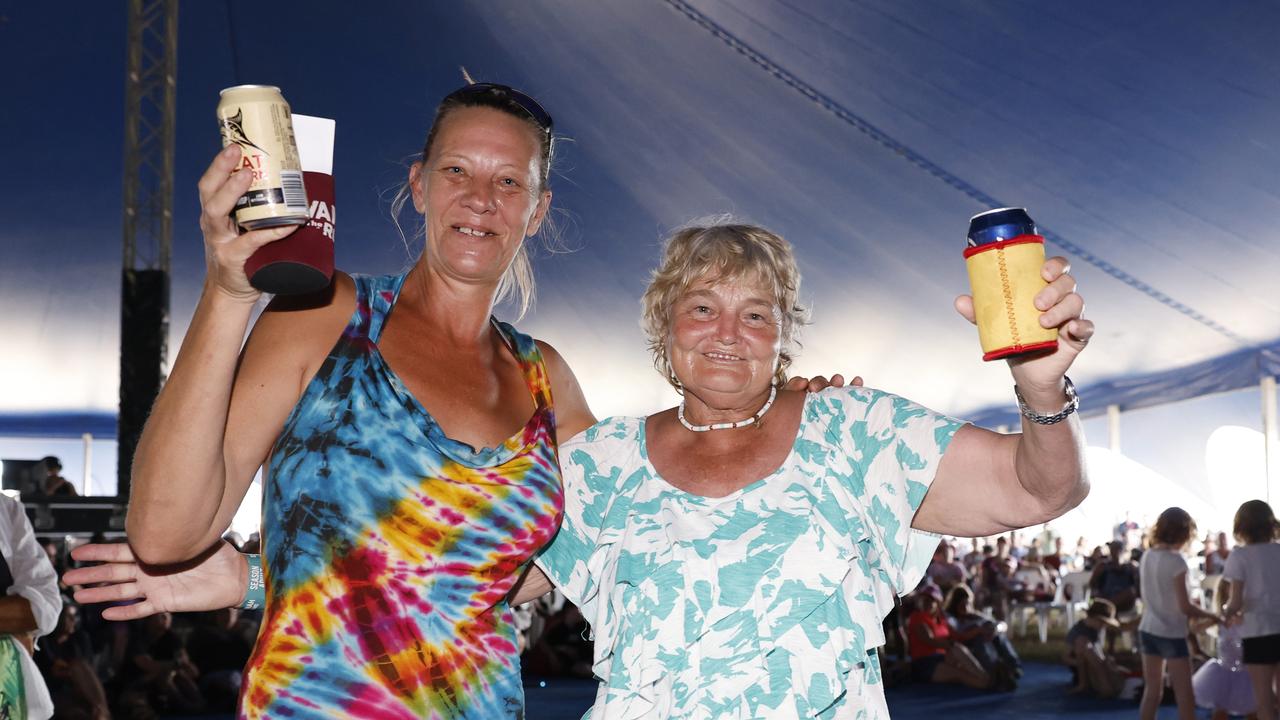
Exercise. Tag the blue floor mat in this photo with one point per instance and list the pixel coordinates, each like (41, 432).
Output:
(1042, 693)
(557, 698)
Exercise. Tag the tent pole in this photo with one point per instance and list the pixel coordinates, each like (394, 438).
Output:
(87, 478)
(1271, 460)
(1113, 428)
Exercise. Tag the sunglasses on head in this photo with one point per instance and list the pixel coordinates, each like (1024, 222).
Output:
(526, 103)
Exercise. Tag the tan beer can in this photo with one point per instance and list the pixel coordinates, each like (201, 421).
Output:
(257, 118)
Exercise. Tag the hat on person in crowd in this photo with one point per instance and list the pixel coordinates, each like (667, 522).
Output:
(1104, 610)
(52, 462)
(932, 591)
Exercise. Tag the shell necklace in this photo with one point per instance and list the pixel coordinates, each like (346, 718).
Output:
(773, 393)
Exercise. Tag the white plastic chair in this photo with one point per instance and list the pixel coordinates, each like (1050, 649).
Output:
(1043, 609)
(1078, 583)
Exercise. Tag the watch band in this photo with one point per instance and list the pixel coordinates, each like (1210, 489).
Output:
(1073, 404)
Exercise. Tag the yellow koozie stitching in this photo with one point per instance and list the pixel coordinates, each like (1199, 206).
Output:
(1008, 296)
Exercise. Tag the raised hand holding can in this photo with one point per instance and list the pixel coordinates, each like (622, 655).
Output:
(1004, 256)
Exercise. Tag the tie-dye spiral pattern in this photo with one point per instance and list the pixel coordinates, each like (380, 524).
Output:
(389, 549)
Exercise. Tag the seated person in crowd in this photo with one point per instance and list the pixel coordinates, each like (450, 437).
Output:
(1032, 582)
(1095, 558)
(973, 559)
(64, 659)
(219, 651)
(56, 486)
(984, 637)
(1095, 671)
(1215, 555)
(1054, 561)
(937, 657)
(997, 570)
(157, 673)
(1116, 579)
(945, 571)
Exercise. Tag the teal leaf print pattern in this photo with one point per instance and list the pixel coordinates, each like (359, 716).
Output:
(765, 603)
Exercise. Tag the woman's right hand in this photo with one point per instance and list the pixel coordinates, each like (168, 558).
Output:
(225, 248)
(213, 580)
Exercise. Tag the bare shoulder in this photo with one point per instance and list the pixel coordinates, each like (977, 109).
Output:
(573, 415)
(554, 361)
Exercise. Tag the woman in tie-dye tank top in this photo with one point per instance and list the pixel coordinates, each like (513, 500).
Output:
(390, 544)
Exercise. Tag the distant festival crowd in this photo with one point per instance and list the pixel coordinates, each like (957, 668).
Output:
(954, 628)
(1149, 614)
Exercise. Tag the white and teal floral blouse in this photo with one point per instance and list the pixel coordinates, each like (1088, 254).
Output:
(766, 603)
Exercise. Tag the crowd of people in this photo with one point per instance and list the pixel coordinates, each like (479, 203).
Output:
(162, 665)
(176, 664)
(1201, 618)
(1171, 595)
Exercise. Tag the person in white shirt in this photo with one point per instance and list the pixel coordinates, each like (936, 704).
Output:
(1253, 571)
(1162, 632)
(29, 608)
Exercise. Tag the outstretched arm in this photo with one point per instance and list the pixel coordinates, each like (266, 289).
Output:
(215, 579)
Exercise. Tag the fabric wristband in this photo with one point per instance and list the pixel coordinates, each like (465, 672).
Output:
(255, 594)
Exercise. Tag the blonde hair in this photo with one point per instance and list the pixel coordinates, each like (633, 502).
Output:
(722, 251)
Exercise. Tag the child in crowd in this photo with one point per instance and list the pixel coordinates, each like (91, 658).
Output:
(1253, 571)
(1167, 609)
(937, 657)
(1096, 672)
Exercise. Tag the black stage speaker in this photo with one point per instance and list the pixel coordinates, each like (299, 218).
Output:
(144, 332)
(25, 476)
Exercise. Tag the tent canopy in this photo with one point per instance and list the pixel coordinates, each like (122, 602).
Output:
(1143, 140)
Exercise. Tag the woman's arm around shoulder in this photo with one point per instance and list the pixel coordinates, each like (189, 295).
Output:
(219, 414)
(572, 413)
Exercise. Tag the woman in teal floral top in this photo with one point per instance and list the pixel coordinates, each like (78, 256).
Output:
(742, 572)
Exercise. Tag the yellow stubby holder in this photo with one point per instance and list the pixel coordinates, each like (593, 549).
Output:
(1004, 276)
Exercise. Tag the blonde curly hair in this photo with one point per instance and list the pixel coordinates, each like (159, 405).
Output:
(722, 251)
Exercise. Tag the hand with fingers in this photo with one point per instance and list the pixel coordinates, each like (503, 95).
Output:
(226, 249)
(1061, 307)
(213, 580)
(818, 383)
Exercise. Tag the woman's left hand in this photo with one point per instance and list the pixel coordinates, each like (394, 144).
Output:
(1061, 307)
(213, 580)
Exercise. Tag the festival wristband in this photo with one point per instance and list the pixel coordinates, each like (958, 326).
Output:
(255, 594)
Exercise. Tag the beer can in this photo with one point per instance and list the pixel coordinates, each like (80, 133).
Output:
(1004, 256)
(257, 118)
(1000, 224)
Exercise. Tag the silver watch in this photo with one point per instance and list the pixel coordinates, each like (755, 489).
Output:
(1073, 404)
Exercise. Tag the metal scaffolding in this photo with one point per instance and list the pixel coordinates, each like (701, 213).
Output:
(150, 94)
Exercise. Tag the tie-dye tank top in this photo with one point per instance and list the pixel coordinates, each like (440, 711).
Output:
(389, 549)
